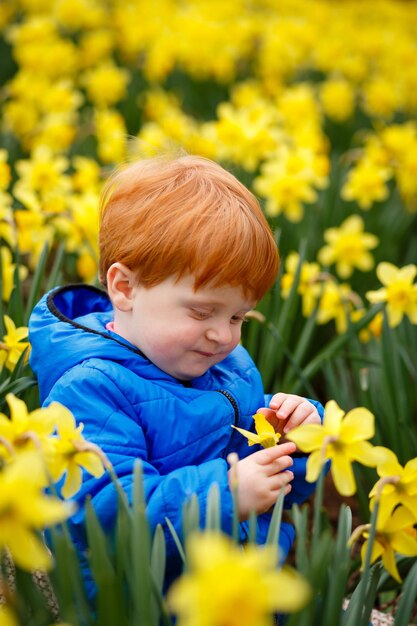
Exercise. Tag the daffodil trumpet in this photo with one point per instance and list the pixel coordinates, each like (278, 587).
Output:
(265, 434)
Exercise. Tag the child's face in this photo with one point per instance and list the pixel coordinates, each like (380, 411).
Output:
(185, 332)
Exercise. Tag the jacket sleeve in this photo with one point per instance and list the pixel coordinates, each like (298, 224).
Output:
(112, 423)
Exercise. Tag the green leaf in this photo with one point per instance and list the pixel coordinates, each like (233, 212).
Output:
(141, 554)
(407, 599)
(176, 540)
(272, 538)
(158, 559)
(67, 581)
(213, 508)
(300, 519)
(109, 599)
(36, 282)
(190, 516)
(336, 588)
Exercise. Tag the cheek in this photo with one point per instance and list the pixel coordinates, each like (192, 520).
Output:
(237, 334)
(172, 340)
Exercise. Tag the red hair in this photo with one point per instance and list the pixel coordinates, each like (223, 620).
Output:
(164, 218)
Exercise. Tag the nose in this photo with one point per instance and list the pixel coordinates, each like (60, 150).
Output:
(221, 334)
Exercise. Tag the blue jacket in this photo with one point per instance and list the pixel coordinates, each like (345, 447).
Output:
(181, 432)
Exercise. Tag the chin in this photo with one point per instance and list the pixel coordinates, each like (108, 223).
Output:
(190, 375)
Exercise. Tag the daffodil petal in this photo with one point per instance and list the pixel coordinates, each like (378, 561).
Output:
(333, 415)
(45, 511)
(313, 466)
(91, 462)
(251, 437)
(262, 425)
(387, 503)
(294, 591)
(28, 551)
(380, 295)
(387, 273)
(401, 518)
(9, 324)
(405, 543)
(73, 481)
(389, 562)
(408, 273)
(308, 437)
(363, 452)
(358, 424)
(342, 474)
(395, 315)
(18, 409)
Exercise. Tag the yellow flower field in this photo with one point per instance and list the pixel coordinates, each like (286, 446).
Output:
(313, 105)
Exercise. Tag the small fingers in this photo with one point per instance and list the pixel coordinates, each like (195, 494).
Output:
(281, 480)
(295, 409)
(279, 465)
(269, 455)
(303, 414)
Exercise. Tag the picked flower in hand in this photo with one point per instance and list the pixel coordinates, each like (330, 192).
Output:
(265, 434)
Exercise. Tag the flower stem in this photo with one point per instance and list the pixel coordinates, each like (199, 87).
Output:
(318, 502)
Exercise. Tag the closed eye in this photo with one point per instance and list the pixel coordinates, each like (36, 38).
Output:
(200, 315)
(238, 318)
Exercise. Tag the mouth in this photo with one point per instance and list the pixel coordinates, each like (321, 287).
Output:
(206, 354)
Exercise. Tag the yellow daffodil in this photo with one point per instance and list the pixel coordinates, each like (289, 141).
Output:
(13, 345)
(228, 585)
(337, 97)
(86, 176)
(348, 246)
(28, 431)
(287, 180)
(72, 453)
(25, 509)
(247, 134)
(367, 183)
(342, 439)
(8, 270)
(379, 98)
(111, 136)
(265, 433)
(43, 172)
(402, 490)
(395, 534)
(106, 84)
(399, 292)
(335, 303)
(309, 286)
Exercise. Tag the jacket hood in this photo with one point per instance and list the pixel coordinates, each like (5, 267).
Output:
(68, 326)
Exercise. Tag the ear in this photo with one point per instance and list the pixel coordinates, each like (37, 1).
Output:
(121, 284)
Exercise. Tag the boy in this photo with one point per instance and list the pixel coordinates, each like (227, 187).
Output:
(153, 368)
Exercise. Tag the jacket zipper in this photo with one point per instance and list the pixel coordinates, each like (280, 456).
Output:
(232, 401)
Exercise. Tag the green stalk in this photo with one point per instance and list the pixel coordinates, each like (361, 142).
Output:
(318, 504)
(407, 599)
(233, 459)
(213, 508)
(1, 297)
(334, 346)
(354, 613)
(272, 538)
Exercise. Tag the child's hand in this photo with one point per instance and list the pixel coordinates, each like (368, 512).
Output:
(288, 411)
(260, 477)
